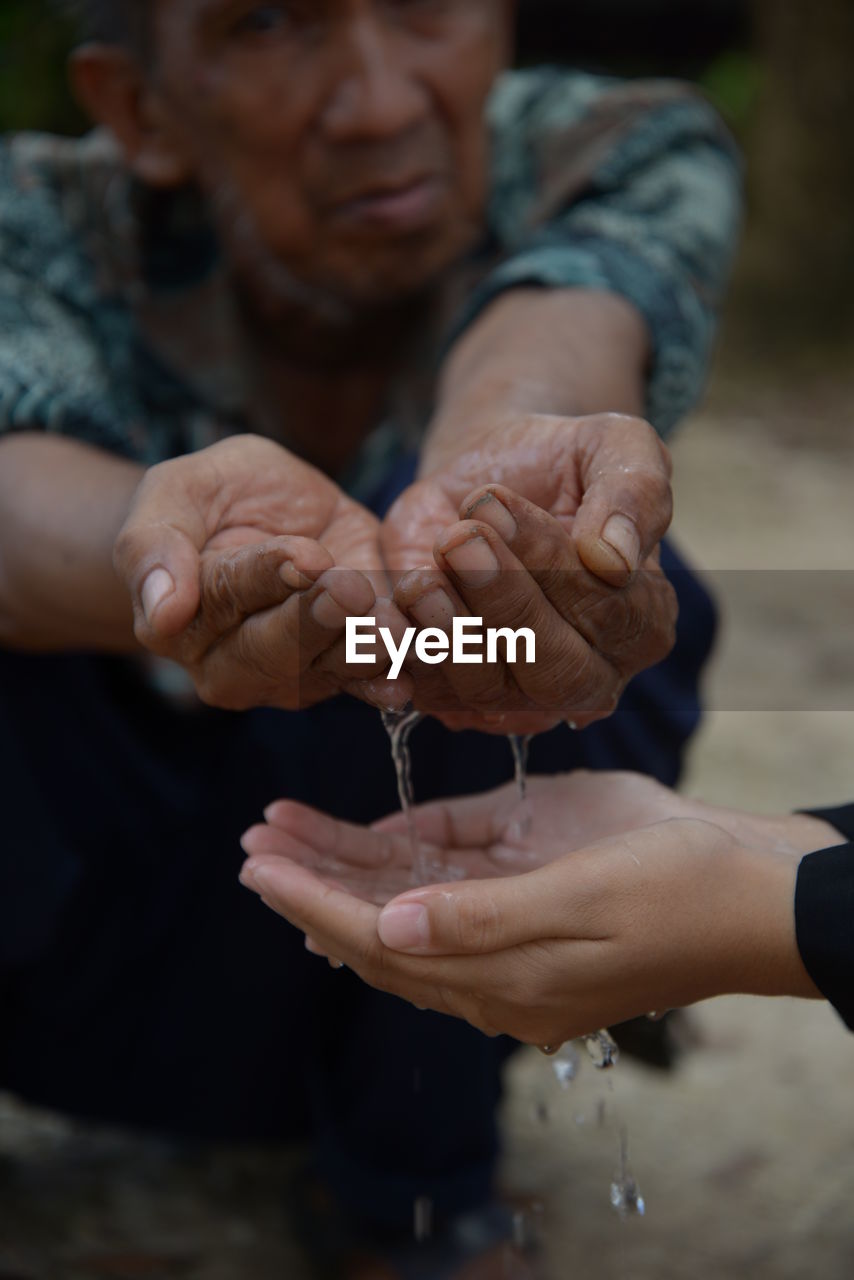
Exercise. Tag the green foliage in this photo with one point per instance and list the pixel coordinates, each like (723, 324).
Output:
(34, 46)
(734, 84)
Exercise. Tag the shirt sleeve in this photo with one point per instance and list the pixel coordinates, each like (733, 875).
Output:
(53, 375)
(824, 920)
(632, 188)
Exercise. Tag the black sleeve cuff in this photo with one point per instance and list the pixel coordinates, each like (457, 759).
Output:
(841, 818)
(824, 918)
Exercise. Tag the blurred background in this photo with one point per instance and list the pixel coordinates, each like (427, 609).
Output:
(745, 1153)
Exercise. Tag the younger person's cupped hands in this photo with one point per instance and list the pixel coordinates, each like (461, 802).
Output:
(637, 918)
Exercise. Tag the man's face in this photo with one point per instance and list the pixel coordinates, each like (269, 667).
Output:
(342, 140)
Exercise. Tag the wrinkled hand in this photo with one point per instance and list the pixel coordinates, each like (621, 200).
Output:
(654, 918)
(573, 508)
(243, 562)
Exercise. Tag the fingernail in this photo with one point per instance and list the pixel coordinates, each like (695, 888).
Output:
(474, 562)
(404, 928)
(327, 613)
(158, 586)
(494, 513)
(621, 535)
(433, 610)
(247, 874)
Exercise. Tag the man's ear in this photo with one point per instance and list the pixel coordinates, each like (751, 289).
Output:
(111, 87)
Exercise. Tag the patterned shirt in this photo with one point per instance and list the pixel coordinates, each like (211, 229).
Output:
(116, 322)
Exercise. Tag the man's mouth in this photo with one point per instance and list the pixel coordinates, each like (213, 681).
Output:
(401, 208)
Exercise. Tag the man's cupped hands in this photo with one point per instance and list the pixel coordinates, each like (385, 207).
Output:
(243, 563)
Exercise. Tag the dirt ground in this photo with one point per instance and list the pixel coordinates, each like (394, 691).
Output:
(745, 1155)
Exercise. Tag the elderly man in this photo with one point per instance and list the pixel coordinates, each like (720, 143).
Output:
(309, 240)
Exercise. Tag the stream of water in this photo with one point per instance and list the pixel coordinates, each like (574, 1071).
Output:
(399, 726)
(601, 1046)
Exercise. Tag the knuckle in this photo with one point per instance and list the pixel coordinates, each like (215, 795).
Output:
(626, 625)
(659, 489)
(218, 601)
(519, 603)
(263, 662)
(665, 619)
(621, 423)
(125, 551)
(636, 625)
(631, 433)
(648, 630)
(477, 923)
(568, 674)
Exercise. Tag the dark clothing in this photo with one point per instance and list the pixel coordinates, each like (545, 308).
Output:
(824, 915)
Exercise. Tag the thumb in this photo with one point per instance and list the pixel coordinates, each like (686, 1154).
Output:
(475, 918)
(156, 555)
(627, 501)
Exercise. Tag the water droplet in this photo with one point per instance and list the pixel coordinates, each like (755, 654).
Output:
(625, 1193)
(627, 1199)
(423, 1218)
(565, 1065)
(445, 872)
(603, 1049)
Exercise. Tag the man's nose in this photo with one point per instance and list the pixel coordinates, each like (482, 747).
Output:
(374, 96)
